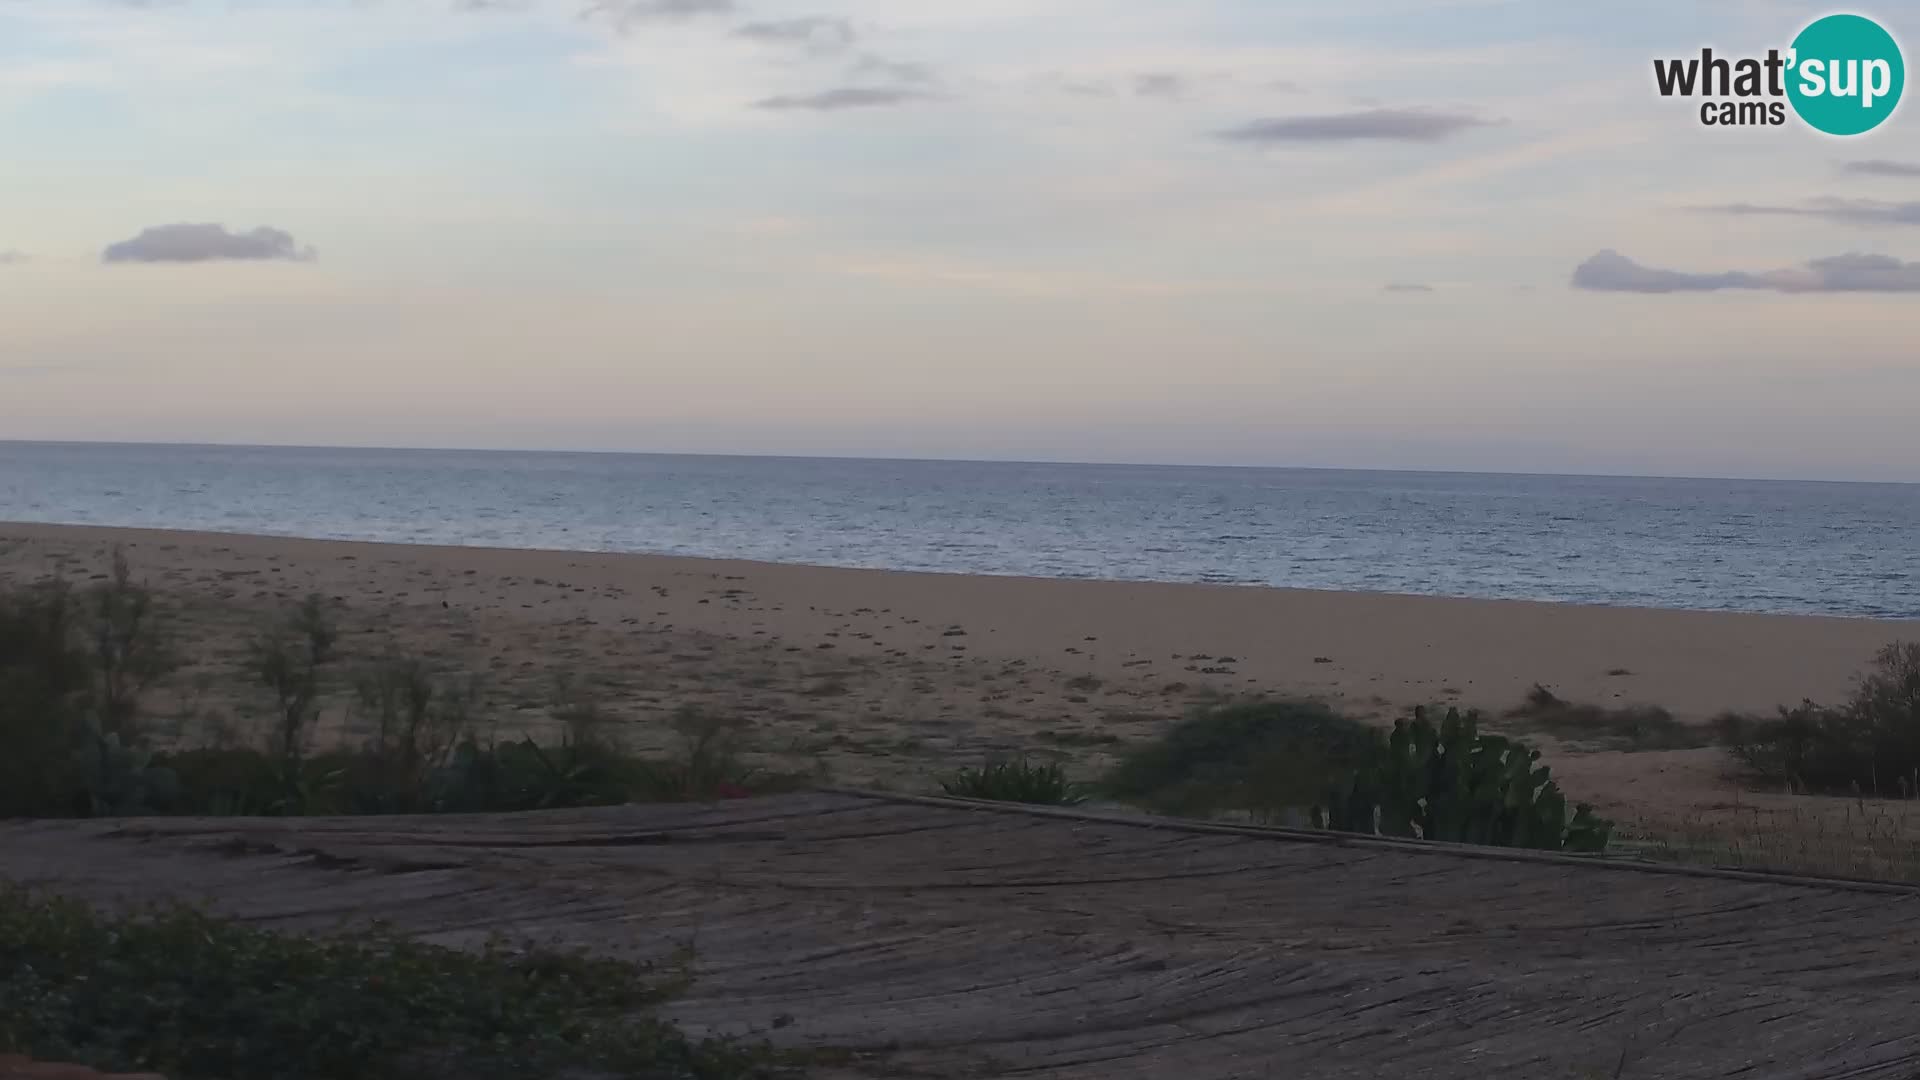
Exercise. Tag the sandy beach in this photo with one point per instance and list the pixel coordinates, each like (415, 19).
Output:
(879, 677)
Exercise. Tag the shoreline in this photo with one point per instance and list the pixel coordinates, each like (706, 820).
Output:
(723, 562)
(1388, 650)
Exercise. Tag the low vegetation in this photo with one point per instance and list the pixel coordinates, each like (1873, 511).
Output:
(1296, 760)
(1451, 783)
(1018, 781)
(75, 662)
(36, 676)
(197, 998)
(1870, 839)
(1264, 760)
(1632, 728)
(1869, 745)
(469, 776)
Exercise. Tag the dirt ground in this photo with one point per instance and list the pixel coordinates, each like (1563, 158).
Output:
(945, 941)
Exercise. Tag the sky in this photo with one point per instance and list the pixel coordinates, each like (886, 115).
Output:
(1455, 234)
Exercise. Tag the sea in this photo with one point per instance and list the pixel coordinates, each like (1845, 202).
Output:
(1847, 549)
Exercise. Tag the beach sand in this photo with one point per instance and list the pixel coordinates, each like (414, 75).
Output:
(888, 678)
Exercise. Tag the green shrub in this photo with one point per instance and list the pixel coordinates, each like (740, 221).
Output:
(1451, 783)
(73, 666)
(708, 767)
(1778, 747)
(1262, 758)
(127, 646)
(422, 753)
(418, 720)
(1018, 781)
(523, 775)
(224, 781)
(1267, 759)
(473, 777)
(290, 661)
(199, 998)
(44, 681)
(1869, 745)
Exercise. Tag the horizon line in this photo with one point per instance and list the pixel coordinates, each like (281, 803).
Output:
(375, 448)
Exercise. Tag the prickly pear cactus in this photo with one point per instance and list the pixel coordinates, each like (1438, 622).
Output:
(1453, 784)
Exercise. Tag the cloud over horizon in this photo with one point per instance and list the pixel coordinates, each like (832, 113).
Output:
(1406, 287)
(1610, 271)
(1829, 208)
(898, 71)
(625, 14)
(1160, 84)
(1401, 125)
(842, 98)
(815, 33)
(1881, 167)
(206, 242)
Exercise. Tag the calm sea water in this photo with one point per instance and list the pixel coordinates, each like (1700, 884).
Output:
(1844, 549)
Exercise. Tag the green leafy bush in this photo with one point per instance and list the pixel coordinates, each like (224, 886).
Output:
(1018, 781)
(224, 781)
(1869, 745)
(127, 647)
(1454, 784)
(44, 680)
(289, 661)
(1779, 748)
(73, 664)
(199, 998)
(1263, 758)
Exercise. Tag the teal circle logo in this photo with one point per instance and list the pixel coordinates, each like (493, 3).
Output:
(1845, 75)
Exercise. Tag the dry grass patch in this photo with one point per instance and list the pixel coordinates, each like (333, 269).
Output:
(1877, 840)
(1629, 728)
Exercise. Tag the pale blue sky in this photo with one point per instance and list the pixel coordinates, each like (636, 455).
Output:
(549, 224)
